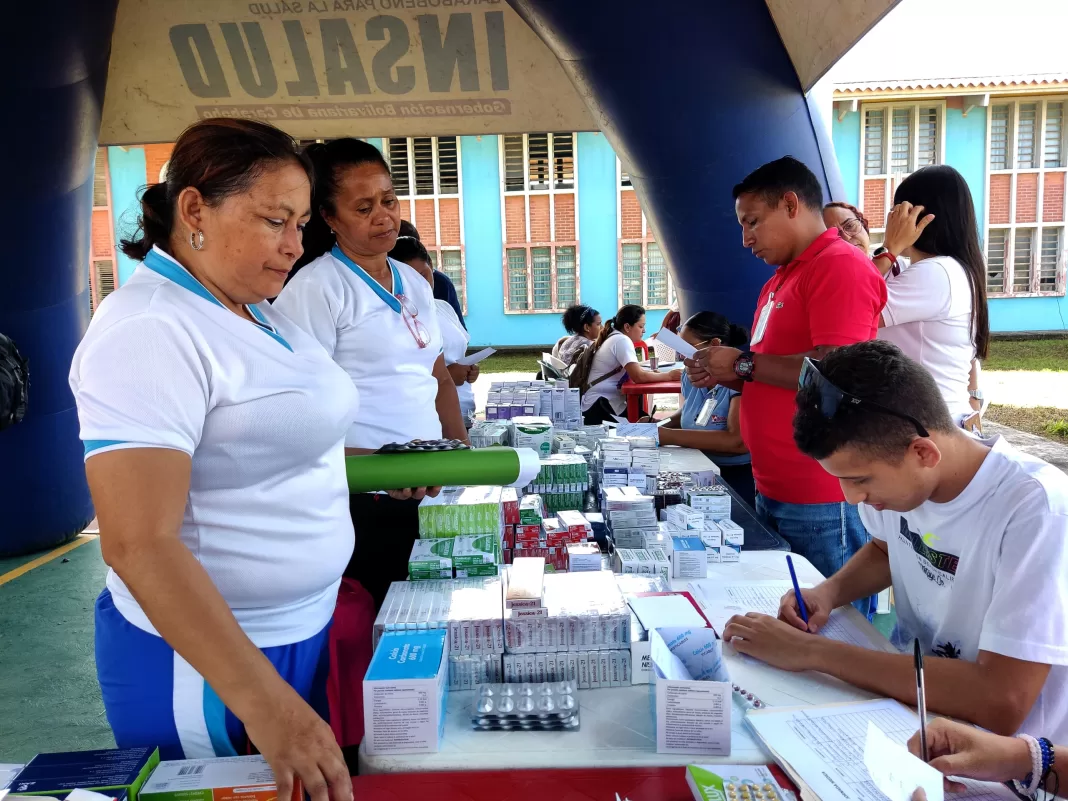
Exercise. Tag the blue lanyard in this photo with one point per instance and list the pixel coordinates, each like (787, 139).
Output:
(377, 288)
(173, 271)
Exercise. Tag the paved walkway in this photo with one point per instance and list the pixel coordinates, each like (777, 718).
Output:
(1047, 450)
(1024, 388)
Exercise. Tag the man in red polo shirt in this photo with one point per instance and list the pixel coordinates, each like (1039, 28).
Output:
(824, 294)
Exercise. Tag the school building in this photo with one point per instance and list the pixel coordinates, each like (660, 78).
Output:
(526, 225)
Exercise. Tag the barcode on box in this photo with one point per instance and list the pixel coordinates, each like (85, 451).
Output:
(191, 770)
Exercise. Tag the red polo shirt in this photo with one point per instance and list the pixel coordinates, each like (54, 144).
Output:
(830, 295)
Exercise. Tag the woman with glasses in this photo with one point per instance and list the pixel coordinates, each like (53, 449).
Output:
(376, 317)
(454, 336)
(852, 225)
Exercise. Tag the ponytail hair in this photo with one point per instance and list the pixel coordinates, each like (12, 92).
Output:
(627, 315)
(219, 158)
(709, 325)
(330, 160)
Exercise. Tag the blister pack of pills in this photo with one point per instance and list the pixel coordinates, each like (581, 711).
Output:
(424, 446)
(530, 706)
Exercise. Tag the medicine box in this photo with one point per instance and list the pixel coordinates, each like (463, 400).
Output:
(583, 556)
(112, 771)
(733, 534)
(712, 537)
(688, 558)
(431, 559)
(243, 778)
(682, 516)
(713, 502)
(404, 693)
(730, 553)
(525, 582)
(691, 693)
(661, 561)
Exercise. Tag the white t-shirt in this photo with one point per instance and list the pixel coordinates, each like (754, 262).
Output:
(928, 315)
(262, 411)
(989, 571)
(361, 326)
(617, 351)
(456, 340)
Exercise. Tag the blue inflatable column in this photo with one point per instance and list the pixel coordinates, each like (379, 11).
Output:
(693, 95)
(56, 60)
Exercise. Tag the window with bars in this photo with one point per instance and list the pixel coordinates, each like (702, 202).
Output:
(540, 210)
(644, 279)
(426, 179)
(1026, 209)
(102, 277)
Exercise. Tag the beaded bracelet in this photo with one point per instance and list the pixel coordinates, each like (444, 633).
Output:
(1048, 757)
(1029, 786)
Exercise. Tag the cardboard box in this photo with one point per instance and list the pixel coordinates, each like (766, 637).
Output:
(661, 562)
(733, 534)
(688, 558)
(525, 582)
(692, 696)
(431, 559)
(711, 537)
(111, 771)
(583, 556)
(713, 502)
(243, 778)
(730, 553)
(404, 693)
(683, 516)
(472, 551)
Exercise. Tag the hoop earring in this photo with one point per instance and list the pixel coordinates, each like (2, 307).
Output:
(196, 239)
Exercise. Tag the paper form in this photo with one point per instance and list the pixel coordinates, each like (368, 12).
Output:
(475, 358)
(824, 747)
(723, 601)
(676, 343)
(895, 772)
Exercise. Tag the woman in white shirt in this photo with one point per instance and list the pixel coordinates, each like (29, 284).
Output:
(936, 306)
(614, 361)
(377, 319)
(214, 447)
(456, 339)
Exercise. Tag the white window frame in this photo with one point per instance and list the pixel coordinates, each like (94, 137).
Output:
(879, 226)
(552, 244)
(96, 291)
(646, 240)
(1041, 170)
(436, 250)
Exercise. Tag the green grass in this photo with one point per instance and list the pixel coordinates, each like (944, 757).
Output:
(1043, 421)
(1028, 354)
(525, 361)
(1057, 429)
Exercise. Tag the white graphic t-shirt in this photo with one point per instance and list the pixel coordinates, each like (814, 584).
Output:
(988, 571)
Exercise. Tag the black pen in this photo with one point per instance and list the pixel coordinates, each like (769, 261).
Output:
(921, 699)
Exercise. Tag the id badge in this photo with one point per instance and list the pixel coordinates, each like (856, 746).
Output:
(705, 414)
(762, 321)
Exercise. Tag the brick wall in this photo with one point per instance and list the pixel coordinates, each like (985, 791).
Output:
(515, 213)
(1000, 189)
(405, 207)
(565, 218)
(630, 213)
(1026, 197)
(102, 244)
(1053, 197)
(875, 202)
(155, 157)
(424, 221)
(540, 230)
(449, 212)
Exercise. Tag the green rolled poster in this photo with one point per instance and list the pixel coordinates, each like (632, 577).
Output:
(501, 467)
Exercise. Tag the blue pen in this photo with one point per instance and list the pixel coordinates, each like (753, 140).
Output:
(797, 590)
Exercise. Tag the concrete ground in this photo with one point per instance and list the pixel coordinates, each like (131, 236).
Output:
(1022, 388)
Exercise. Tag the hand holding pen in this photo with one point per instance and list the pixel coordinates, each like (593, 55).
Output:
(817, 606)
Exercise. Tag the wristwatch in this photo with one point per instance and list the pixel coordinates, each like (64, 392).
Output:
(882, 251)
(976, 393)
(743, 365)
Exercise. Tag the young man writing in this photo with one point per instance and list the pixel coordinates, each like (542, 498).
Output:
(824, 293)
(972, 534)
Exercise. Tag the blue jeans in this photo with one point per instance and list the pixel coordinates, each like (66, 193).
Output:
(827, 534)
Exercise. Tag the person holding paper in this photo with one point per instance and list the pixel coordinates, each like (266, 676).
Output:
(825, 293)
(970, 753)
(456, 339)
(971, 533)
(377, 319)
(214, 433)
(709, 418)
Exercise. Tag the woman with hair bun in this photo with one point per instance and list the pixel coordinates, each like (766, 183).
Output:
(583, 323)
(718, 431)
(214, 433)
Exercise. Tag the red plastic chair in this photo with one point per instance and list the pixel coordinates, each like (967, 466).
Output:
(350, 656)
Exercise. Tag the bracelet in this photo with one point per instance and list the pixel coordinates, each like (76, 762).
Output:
(1049, 756)
(1029, 786)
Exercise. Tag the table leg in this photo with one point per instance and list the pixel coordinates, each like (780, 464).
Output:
(634, 407)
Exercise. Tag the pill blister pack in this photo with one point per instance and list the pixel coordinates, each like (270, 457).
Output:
(749, 790)
(424, 446)
(529, 706)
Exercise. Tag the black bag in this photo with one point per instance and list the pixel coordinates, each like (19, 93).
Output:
(14, 384)
(583, 362)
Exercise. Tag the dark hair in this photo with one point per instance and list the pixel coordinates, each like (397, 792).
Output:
(838, 204)
(627, 315)
(874, 371)
(943, 192)
(219, 158)
(408, 248)
(713, 325)
(407, 229)
(778, 177)
(577, 317)
(330, 160)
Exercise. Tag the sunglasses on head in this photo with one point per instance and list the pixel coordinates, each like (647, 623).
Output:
(831, 397)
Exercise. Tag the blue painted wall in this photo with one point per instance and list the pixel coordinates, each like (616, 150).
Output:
(966, 152)
(127, 168)
(845, 134)
(598, 223)
(1029, 314)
